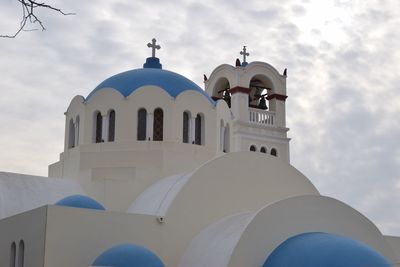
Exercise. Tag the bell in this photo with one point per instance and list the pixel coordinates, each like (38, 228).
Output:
(262, 104)
(227, 98)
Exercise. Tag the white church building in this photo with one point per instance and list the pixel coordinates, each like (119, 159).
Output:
(157, 171)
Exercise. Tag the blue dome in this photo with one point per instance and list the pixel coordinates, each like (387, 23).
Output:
(323, 249)
(127, 82)
(80, 201)
(128, 255)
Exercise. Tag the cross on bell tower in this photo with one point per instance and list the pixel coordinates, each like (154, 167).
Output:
(244, 53)
(153, 47)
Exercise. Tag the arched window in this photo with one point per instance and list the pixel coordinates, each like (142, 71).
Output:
(111, 126)
(199, 130)
(13, 253)
(158, 124)
(77, 122)
(226, 139)
(253, 148)
(274, 152)
(142, 124)
(186, 123)
(263, 150)
(21, 253)
(71, 134)
(221, 136)
(98, 127)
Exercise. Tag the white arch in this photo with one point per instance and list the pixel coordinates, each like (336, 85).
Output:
(248, 238)
(281, 220)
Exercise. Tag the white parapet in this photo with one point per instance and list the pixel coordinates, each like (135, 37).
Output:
(261, 117)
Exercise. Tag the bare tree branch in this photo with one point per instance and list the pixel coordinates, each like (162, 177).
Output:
(30, 17)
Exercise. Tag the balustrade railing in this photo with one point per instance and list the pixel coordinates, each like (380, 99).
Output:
(262, 117)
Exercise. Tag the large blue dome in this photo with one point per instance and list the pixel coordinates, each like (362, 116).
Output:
(80, 201)
(324, 250)
(127, 82)
(128, 255)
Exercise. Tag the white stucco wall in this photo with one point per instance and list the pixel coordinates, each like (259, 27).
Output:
(76, 237)
(394, 242)
(28, 227)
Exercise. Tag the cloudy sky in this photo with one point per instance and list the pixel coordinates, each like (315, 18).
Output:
(343, 60)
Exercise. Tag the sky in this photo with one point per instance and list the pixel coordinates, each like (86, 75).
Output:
(342, 56)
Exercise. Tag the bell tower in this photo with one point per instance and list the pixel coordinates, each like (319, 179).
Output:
(256, 95)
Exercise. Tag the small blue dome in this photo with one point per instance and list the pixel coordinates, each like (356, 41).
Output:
(127, 82)
(80, 201)
(323, 249)
(128, 255)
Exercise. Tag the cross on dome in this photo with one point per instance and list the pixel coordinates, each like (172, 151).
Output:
(153, 47)
(244, 53)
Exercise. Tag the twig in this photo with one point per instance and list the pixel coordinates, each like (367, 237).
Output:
(29, 16)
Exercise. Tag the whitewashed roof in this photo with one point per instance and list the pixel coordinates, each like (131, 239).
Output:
(157, 198)
(214, 245)
(20, 192)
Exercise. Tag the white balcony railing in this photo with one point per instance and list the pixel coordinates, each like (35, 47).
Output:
(262, 117)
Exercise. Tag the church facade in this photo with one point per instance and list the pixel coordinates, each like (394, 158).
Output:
(158, 172)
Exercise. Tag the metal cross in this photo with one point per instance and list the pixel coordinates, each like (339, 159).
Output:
(153, 47)
(244, 53)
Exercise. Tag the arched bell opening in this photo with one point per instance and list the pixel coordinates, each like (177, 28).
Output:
(221, 91)
(260, 88)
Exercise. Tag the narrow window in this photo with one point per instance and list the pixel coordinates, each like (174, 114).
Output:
(77, 122)
(253, 148)
(274, 152)
(221, 136)
(71, 134)
(226, 139)
(263, 150)
(185, 134)
(21, 253)
(142, 124)
(111, 126)
(13, 253)
(158, 124)
(99, 127)
(198, 138)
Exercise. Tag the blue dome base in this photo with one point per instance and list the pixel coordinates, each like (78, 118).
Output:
(152, 62)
